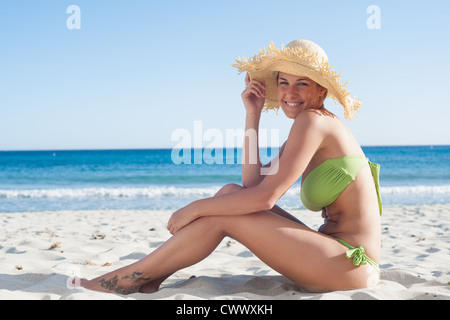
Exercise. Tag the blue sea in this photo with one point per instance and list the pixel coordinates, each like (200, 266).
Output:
(150, 179)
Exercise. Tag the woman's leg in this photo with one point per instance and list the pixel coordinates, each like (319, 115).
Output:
(319, 257)
(305, 256)
(309, 258)
(188, 246)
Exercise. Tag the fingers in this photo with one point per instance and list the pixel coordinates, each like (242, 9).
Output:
(172, 228)
(176, 221)
(257, 88)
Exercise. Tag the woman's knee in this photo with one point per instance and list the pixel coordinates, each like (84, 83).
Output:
(224, 223)
(212, 224)
(229, 188)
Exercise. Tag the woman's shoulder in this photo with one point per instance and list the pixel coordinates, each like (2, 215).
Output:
(335, 136)
(314, 119)
(311, 128)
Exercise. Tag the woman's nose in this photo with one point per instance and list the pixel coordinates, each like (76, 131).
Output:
(291, 92)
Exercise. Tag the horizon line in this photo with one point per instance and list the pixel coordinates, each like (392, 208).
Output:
(171, 148)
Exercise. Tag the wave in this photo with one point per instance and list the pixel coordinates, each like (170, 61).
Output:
(154, 192)
(416, 190)
(109, 193)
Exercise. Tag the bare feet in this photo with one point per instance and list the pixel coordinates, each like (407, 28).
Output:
(150, 287)
(116, 283)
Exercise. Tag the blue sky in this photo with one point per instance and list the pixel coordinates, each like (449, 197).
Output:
(137, 71)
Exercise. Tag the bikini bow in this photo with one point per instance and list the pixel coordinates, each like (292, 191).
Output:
(358, 255)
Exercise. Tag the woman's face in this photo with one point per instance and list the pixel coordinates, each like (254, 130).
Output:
(296, 94)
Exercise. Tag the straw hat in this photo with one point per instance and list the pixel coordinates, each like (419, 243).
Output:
(300, 58)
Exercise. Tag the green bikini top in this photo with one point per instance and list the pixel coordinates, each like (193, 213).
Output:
(327, 181)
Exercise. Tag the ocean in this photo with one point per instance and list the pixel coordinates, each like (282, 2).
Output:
(151, 179)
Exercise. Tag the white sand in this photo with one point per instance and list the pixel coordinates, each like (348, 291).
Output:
(415, 257)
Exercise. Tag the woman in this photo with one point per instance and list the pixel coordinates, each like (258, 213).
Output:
(337, 179)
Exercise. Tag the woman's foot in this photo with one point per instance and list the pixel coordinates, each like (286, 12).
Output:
(150, 287)
(153, 286)
(115, 283)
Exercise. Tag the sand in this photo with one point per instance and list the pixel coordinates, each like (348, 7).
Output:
(41, 251)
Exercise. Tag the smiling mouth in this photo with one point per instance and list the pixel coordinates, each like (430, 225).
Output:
(293, 104)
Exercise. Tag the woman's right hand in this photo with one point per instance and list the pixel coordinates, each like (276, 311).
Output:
(254, 95)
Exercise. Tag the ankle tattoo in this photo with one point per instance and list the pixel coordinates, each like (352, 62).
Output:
(136, 278)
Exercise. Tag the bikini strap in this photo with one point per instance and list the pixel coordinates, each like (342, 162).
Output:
(358, 254)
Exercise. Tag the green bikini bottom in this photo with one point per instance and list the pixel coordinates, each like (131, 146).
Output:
(359, 256)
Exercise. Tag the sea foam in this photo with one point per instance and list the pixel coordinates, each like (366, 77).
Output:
(183, 192)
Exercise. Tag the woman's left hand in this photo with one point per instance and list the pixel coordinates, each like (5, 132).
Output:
(180, 219)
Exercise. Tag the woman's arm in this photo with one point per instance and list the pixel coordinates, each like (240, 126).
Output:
(252, 173)
(253, 98)
(304, 140)
(246, 201)
(251, 161)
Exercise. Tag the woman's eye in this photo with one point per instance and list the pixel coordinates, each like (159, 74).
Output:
(302, 83)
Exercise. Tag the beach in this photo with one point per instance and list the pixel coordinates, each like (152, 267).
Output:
(83, 213)
(116, 114)
(41, 252)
